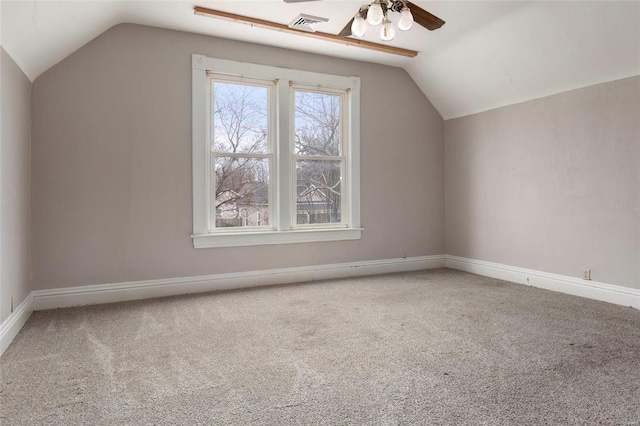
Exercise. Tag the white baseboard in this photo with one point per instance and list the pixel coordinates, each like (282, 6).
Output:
(12, 325)
(135, 290)
(590, 289)
(119, 292)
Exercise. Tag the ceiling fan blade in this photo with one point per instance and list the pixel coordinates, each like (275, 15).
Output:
(424, 18)
(346, 31)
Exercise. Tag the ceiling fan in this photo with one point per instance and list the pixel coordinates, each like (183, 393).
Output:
(377, 13)
(371, 14)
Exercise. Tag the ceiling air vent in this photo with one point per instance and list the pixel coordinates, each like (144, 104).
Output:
(305, 22)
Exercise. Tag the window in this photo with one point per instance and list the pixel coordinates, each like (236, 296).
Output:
(319, 163)
(241, 153)
(275, 155)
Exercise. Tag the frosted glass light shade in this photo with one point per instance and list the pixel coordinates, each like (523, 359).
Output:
(406, 19)
(359, 26)
(374, 14)
(388, 31)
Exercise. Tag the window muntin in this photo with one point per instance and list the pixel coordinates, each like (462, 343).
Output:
(241, 160)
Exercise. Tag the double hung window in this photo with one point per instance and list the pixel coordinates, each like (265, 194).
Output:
(275, 155)
(240, 184)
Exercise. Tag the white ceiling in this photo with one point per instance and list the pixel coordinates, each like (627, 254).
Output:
(488, 54)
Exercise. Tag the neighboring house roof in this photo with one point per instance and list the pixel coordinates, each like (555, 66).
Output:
(314, 195)
(247, 194)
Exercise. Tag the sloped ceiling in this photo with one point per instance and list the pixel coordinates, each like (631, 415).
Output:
(488, 54)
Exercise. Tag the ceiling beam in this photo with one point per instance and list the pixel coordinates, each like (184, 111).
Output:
(261, 23)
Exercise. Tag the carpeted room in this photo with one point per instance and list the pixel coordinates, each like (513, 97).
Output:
(428, 347)
(97, 208)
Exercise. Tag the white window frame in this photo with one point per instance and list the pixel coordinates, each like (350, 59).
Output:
(343, 157)
(282, 229)
(269, 155)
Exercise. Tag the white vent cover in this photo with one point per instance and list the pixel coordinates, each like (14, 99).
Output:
(304, 22)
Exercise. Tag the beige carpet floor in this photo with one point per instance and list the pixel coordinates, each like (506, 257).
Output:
(432, 347)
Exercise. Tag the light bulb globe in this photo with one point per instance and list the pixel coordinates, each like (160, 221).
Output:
(375, 14)
(406, 19)
(359, 26)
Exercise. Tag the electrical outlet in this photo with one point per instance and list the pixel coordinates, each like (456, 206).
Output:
(587, 274)
(13, 303)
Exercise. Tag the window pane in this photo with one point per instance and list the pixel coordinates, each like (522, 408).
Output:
(241, 194)
(317, 123)
(240, 118)
(318, 192)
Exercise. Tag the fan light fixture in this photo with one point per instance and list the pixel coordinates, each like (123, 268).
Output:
(377, 13)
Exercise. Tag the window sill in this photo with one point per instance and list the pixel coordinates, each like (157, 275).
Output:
(238, 239)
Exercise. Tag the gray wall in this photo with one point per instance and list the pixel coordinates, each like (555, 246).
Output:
(112, 163)
(15, 181)
(551, 184)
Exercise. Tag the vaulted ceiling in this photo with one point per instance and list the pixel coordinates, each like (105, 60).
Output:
(488, 54)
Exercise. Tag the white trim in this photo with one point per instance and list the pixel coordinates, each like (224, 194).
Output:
(618, 295)
(353, 171)
(284, 161)
(119, 292)
(239, 239)
(199, 154)
(267, 72)
(12, 325)
(135, 290)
